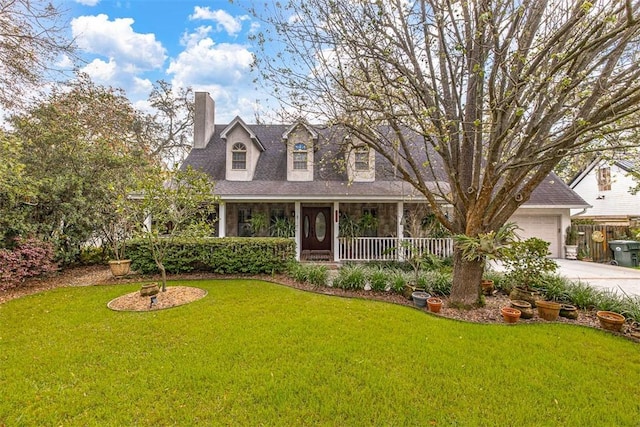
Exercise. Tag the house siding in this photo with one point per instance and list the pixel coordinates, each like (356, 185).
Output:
(609, 204)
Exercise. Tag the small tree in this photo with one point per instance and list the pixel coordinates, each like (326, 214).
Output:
(180, 203)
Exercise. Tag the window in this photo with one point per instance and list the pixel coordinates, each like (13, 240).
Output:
(362, 158)
(238, 156)
(300, 156)
(604, 179)
(244, 222)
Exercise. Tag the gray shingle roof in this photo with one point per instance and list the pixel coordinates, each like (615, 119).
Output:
(330, 181)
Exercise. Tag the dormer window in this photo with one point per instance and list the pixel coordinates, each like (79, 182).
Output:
(300, 156)
(362, 158)
(239, 156)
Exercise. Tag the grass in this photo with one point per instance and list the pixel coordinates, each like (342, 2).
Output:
(255, 353)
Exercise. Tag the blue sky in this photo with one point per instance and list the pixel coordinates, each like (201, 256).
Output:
(202, 44)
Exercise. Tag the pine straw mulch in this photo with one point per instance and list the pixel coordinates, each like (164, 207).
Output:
(179, 295)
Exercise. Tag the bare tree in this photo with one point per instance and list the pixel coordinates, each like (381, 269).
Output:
(170, 127)
(31, 40)
(473, 101)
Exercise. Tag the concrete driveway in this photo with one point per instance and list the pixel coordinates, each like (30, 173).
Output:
(604, 276)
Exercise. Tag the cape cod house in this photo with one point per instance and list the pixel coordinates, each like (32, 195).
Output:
(338, 203)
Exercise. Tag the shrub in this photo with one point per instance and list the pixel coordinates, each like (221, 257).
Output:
(28, 258)
(582, 295)
(399, 279)
(526, 263)
(378, 278)
(437, 282)
(228, 255)
(609, 301)
(631, 307)
(350, 277)
(555, 288)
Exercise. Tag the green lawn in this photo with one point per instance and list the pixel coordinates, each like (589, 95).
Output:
(254, 353)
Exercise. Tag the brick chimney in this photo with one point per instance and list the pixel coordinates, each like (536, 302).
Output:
(203, 121)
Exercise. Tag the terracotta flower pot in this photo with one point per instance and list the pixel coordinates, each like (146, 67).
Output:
(435, 304)
(548, 310)
(149, 289)
(120, 267)
(610, 321)
(510, 314)
(525, 295)
(487, 286)
(526, 312)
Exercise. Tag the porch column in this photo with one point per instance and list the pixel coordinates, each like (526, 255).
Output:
(298, 214)
(222, 219)
(400, 229)
(336, 231)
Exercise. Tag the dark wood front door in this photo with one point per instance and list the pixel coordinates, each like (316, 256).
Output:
(316, 229)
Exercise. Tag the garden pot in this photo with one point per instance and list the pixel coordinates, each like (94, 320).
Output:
(407, 290)
(569, 311)
(610, 321)
(420, 298)
(526, 312)
(510, 314)
(120, 267)
(525, 295)
(435, 304)
(548, 310)
(149, 289)
(487, 286)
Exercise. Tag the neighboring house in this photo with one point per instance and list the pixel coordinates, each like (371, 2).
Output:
(321, 182)
(606, 186)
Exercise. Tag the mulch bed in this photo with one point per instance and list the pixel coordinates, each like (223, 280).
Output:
(178, 295)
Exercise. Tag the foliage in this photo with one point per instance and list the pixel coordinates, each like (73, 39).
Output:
(181, 203)
(351, 277)
(436, 282)
(282, 227)
(78, 149)
(571, 237)
(27, 258)
(582, 295)
(258, 223)
(168, 131)
(348, 226)
(226, 255)
(527, 262)
(309, 273)
(474, 104)
(487, 246)
(33, 37)
(378, 278)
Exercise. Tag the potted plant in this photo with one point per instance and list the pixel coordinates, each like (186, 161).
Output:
(526, 264)
(435, 304)
(116, 230)
(510, 314)
(571, 242)
(282, 227)
(610, 320)
(258, 223)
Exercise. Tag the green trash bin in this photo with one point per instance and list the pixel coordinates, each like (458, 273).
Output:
(625, 252)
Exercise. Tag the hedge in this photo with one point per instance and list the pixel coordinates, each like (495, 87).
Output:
(226, 255)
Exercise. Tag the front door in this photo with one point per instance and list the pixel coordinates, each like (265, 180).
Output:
(316, 229)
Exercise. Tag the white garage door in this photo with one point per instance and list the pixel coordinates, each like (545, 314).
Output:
(545, 227)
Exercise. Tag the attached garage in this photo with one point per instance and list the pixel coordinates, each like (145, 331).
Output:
(545, 227)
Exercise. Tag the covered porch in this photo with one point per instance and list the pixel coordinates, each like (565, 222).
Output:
(338, 231)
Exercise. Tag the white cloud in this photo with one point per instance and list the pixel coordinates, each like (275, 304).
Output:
(116, 39)
(232, 25)
(101, 71)
(206, 62)
(88, 2)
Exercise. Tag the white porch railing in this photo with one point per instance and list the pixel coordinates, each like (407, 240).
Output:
(391, 248)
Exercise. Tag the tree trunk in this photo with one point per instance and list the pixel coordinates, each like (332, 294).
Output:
(465, 291)
(163, 273)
